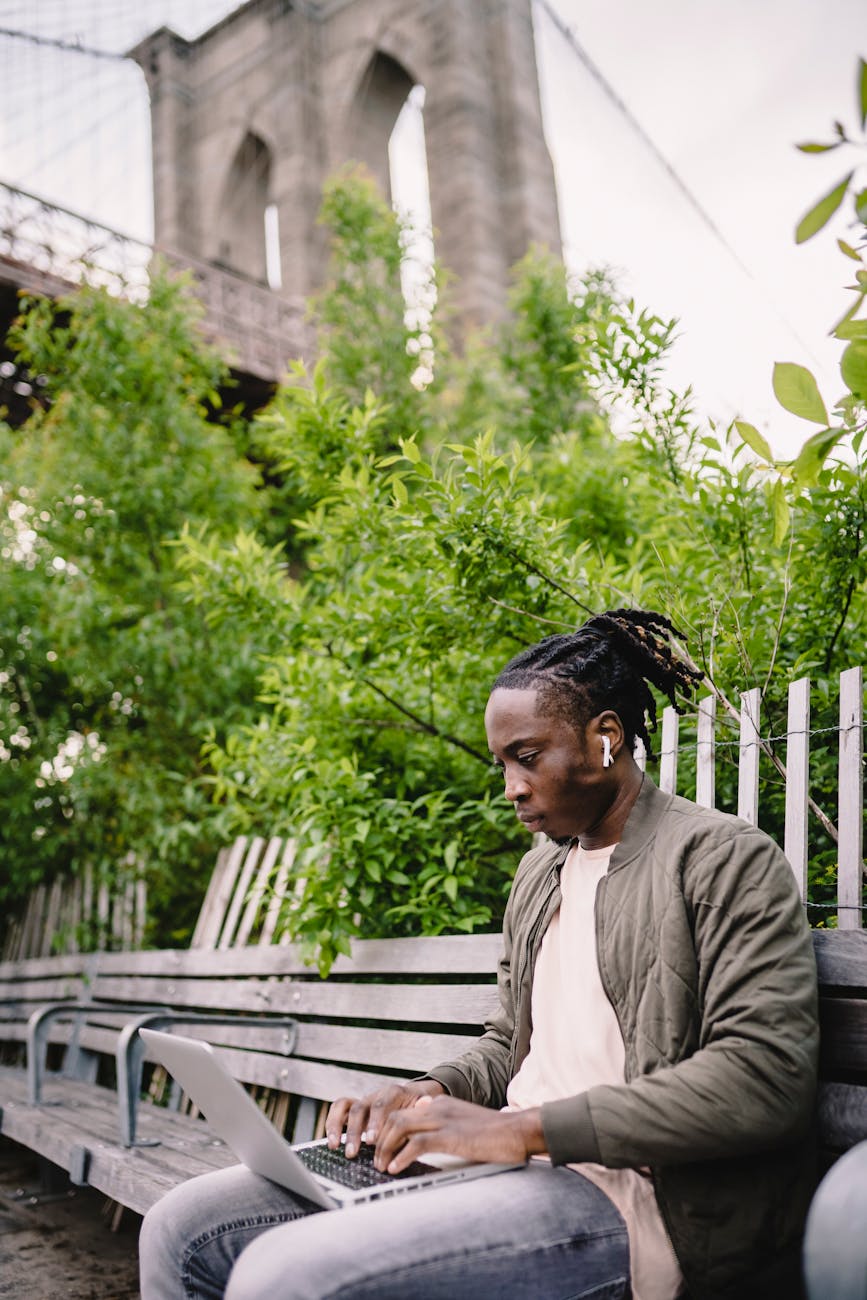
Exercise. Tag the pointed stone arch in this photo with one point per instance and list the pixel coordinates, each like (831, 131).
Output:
(382, 91)
(238, 238)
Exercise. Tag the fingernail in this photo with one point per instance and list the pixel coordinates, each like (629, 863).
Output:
(370, 1135)
(350, 1148)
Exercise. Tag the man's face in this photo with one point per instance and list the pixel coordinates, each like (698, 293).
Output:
(553, 776)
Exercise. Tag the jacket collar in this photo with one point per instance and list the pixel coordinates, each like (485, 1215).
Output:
(644, 817)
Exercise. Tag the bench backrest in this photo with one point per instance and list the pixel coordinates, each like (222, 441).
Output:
(395, 1008)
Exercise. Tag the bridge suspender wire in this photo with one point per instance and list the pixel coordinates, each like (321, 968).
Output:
(704, 216)
(71, 47)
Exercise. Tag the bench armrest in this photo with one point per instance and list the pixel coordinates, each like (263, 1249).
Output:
(129, 1054)
(131, 1049)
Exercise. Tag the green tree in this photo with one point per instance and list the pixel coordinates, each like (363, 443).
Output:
(107, 678)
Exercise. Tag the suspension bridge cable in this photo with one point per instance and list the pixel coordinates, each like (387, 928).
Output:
(55, 43)
(679, 183)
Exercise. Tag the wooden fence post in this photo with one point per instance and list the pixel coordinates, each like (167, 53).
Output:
(798, 780)
(748, 767)
(705, 769)
(851, 801)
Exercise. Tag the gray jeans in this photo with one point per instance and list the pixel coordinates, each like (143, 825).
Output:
(531, 1232)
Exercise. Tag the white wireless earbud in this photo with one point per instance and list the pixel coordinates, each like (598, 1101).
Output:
(607, 760)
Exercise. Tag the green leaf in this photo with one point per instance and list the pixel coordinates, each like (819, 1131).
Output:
(822, 212)
(862, 91)
(450, 887)
(812, 456)
(754, 439)
(848, 250)
(450, 855)
(818, 148)
(780, 509)
(861, 206)
(797, 391)
(853, 368)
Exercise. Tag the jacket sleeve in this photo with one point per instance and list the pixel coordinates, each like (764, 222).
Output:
(750, 1083)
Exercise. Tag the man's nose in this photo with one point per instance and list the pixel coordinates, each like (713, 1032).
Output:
(516, 786)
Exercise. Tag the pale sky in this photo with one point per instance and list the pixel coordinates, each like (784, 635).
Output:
(723, 91)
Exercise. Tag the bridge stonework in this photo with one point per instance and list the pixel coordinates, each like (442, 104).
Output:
(264, 106)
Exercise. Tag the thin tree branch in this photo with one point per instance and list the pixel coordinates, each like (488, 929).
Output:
(426, 727)
(525, 613)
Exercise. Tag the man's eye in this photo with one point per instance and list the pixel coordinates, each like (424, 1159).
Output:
(527, 759)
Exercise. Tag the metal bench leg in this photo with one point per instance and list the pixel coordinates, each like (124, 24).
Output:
(835, 1241)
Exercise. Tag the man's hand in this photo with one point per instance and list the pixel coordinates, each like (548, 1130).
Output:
(366, 1114)
(460, 1128)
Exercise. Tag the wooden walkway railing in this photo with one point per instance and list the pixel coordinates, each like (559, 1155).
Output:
(847, 831)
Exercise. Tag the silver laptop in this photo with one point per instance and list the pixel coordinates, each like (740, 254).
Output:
(311, 1169)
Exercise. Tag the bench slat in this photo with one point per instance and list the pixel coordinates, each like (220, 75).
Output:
(843, 1024)
(467, 1004)
(460, 954)
(841, 958)
(842, 1115)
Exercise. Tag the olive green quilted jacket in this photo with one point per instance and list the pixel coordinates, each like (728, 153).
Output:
(705, 954)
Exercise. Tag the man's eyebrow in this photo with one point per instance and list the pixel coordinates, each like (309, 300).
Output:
(515, 745)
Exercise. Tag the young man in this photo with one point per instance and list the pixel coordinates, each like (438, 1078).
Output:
(653, 1057)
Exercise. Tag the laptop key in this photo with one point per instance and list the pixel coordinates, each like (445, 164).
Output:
(356, 1173)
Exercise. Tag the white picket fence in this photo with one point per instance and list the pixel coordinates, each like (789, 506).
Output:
(850, 797)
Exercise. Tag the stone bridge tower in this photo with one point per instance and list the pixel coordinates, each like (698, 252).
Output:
(259, 111)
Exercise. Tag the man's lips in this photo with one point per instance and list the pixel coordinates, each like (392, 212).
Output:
(529, 818)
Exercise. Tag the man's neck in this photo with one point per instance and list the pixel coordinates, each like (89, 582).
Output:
(609, 830)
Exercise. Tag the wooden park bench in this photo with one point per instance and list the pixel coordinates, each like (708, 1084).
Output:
(393, 1009)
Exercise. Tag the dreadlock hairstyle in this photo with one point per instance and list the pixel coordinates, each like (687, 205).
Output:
(609, 662)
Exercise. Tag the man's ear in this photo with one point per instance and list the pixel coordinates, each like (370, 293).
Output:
(606, 726)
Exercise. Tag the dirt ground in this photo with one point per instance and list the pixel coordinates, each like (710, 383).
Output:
(56, 1242)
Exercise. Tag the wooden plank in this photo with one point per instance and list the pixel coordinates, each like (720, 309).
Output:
(668, 754)
(87, 916)
(705, 755)
(272, 916)
(640, 754)
(141, 907)
(748, 765)
(407, 1050)
(841, 958)
(103, 912)
(239, 894)
(843, 1023)
(842, 1111)
(51, 967)
(797, 780)
(218, 894)
(87, 1118)
(302, 1077)
(459, 954)
(40, 992)
(427, 1003)
(52, 918)
(257, 891)
(851, 801)
(34, 922)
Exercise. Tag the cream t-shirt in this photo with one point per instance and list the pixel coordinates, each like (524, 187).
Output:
(576, 1044)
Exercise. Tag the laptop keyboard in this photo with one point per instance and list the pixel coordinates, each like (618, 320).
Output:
(357, 1173)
